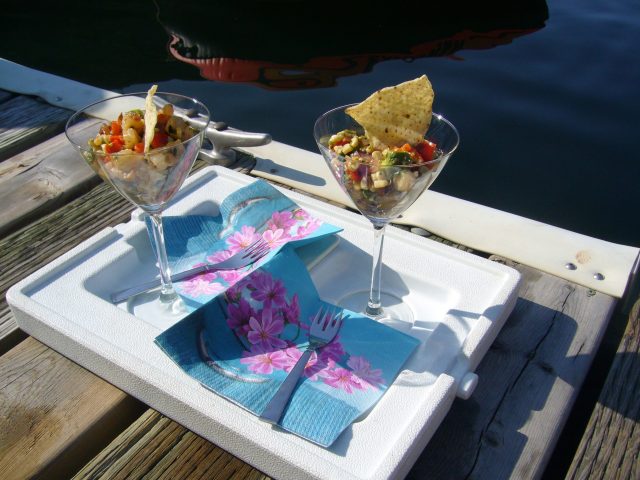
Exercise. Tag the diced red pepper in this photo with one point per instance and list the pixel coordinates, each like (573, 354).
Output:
(160, 139)
(426, 149)
(114, 146)
(116, 128)
(138, 147)
(354, 175)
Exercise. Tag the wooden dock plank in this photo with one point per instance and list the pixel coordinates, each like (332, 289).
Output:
(610, 446)
(513, 419)
(40, 179)
(33, 247)
(26, 121)
(155, 447)
(54, 414)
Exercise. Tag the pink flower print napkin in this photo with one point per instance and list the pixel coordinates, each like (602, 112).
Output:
(252, 212)
(243, 345)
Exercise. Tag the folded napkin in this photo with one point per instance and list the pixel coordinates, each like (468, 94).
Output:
(257, 210)
(243, 344)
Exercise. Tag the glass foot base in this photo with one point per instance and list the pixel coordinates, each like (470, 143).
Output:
(394, 311)
(149, 307)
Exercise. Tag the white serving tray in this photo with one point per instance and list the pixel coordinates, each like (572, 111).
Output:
(459, 301)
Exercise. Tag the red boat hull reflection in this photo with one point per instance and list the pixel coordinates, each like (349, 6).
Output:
(283, 49)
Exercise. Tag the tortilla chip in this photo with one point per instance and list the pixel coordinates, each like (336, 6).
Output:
(150, 118)
(396, 115)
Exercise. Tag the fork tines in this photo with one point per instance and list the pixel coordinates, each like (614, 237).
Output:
(256, 249)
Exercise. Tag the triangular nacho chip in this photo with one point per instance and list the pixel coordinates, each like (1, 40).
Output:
(150, 118)
(396, 115)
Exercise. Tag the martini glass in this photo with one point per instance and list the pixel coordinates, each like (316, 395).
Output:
(148, 180)
(381, 193)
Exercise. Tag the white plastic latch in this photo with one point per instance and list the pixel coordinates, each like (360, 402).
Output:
(467, 385)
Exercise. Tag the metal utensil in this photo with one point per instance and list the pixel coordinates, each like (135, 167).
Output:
(322, 331)
(244, 257)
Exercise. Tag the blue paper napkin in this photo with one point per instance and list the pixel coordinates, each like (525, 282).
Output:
(257, 210)
(242, 345)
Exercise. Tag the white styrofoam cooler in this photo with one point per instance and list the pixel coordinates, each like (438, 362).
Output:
(459, 302)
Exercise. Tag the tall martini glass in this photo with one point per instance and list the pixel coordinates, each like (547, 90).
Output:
(149, 179)
(381, 193)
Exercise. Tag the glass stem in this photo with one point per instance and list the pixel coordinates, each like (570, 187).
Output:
(167, 293)
(374, 306)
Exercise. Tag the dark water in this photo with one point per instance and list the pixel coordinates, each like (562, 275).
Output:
(546, 95)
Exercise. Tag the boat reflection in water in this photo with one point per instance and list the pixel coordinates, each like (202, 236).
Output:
(293, 45)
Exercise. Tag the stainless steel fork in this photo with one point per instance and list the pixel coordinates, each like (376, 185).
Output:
(323, 329)
(244, 257)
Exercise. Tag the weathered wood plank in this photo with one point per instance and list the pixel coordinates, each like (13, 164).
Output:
(25, 121)
(528, 382)
(26, 251)
(610, 446)
(50, 408)
(37, 181)
(22, 162)
(155, 447)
